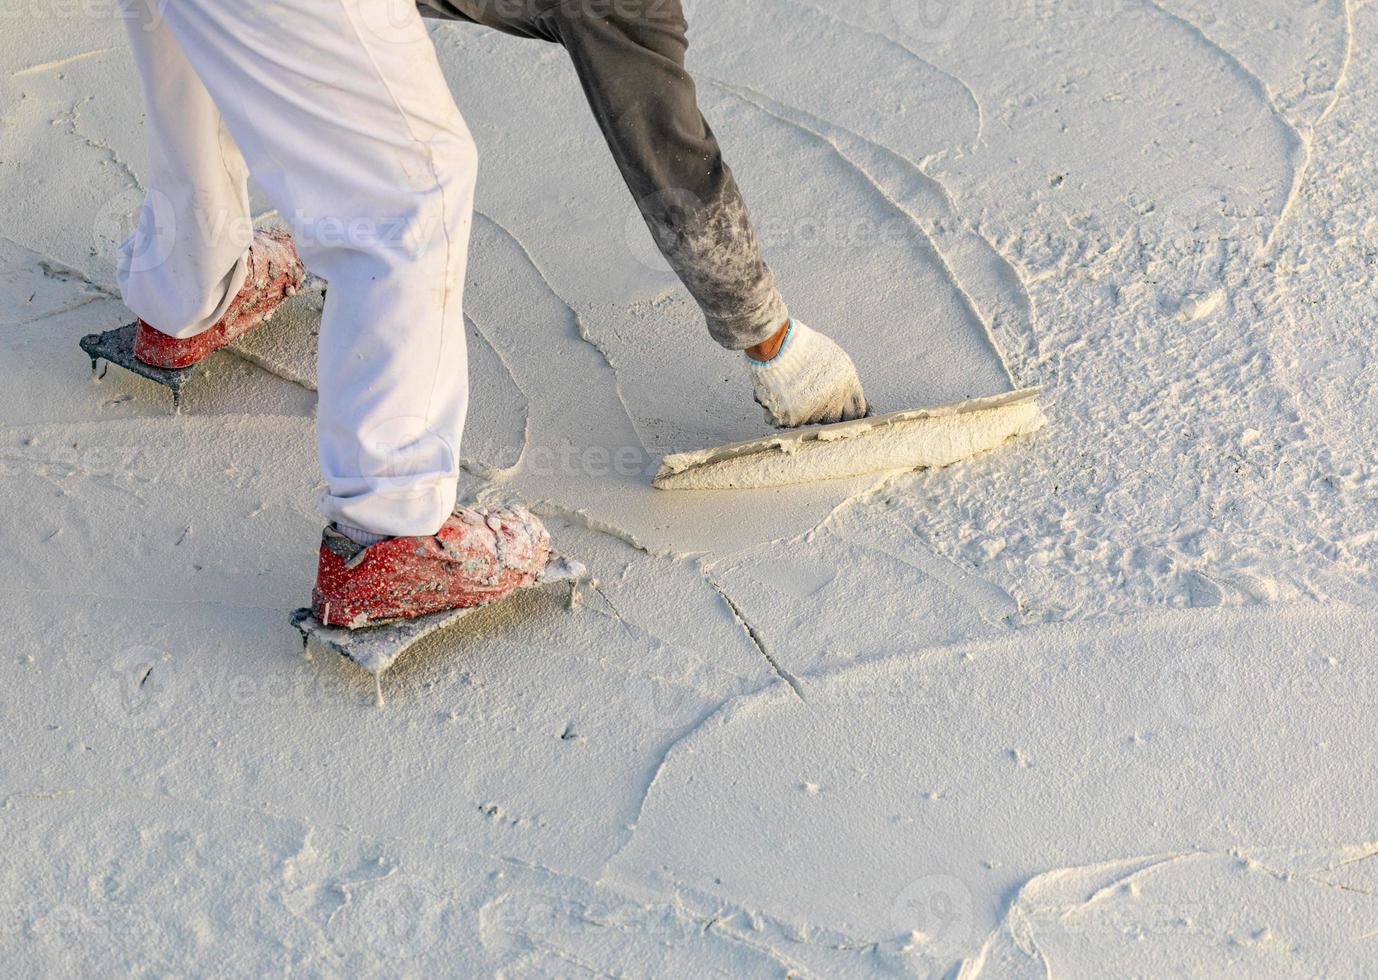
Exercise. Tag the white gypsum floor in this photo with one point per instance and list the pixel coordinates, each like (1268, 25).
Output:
(1097, 704)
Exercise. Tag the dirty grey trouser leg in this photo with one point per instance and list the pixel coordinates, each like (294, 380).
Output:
(629, 55)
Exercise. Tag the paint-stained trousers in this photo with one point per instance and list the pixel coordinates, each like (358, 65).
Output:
(339, 110)
(629, 55)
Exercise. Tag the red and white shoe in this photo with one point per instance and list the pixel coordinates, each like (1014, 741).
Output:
(275, 272)
(478, 557)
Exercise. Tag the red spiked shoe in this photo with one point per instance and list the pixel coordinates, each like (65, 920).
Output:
(275, 273)
(477, 557)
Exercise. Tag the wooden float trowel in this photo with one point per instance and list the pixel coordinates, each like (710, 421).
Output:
(909, 440)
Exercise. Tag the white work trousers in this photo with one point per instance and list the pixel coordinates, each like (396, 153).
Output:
(339, 110)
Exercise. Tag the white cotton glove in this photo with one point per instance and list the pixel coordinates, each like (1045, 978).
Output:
(810, 380)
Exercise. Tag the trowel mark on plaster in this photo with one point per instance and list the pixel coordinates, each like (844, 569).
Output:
(701, 664)
(495, 472)
(910, 53)
(1299, 152)
(579, 329)
(540, 498)
(531, 357)
(550, 508)
(1343, 76)
(334, 889)
(993, 604)
(887, 172)
(1053, 901)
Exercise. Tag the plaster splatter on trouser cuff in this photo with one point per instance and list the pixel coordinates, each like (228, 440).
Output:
(629, 56)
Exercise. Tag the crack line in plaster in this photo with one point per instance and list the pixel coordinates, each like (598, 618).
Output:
(755, 637)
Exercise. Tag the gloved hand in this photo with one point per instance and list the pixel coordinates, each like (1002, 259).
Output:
(809, 380)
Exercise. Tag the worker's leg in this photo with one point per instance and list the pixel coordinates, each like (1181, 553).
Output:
(347, 124)
(629, 55)
(186, 258)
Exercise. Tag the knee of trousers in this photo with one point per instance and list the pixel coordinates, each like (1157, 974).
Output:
(453, 158)
(397, 224)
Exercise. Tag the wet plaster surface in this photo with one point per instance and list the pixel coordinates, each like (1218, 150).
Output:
(1098, 702)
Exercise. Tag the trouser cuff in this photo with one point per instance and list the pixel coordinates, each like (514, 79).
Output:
(743, 330)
